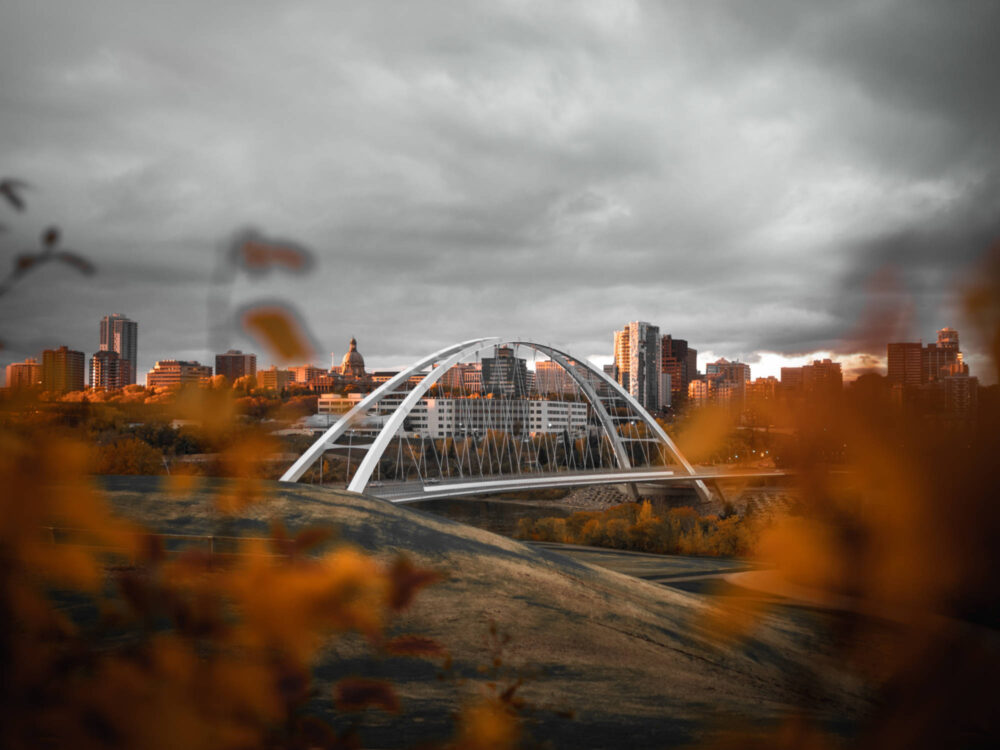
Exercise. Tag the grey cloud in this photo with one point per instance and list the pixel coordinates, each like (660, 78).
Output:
(732, 171)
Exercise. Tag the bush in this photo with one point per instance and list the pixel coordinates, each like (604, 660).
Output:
(128, 455)
(635, 526)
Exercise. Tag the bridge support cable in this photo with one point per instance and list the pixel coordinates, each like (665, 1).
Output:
(363, 473)
(700, 485)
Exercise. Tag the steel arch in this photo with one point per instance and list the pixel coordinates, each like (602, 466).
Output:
(450, 356)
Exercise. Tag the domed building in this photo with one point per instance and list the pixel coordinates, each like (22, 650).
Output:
(352, 367)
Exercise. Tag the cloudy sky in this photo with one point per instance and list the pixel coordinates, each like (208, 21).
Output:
(760, 177)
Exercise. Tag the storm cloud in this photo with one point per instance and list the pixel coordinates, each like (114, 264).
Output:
(740, 173)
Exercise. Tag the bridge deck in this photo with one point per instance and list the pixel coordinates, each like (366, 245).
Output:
(407, 492)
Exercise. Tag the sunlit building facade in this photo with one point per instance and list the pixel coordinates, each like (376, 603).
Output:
(168, 372)
(27, 374)
(107, 371)
(234, 364)
(63, 370)
(275, 379)
(639, 363)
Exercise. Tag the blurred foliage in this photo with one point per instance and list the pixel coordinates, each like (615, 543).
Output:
(896, 527)
(173, 649)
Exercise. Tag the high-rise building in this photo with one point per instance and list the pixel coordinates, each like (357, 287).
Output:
(550, 377)
(823, 378)
(465, 378)
(699, 392)
(730, 372)
(176, 372)
(106, 370)
(504, 374)
(791, 378)
(62, 369)
(621, 360)
(692, 365)
(639, 359)
(961, 396)
(235, 364)
(27, 374)
(121, 335)
(905, 360)
(948, 339)
(763, 389)
(677, 363)
(911, 363)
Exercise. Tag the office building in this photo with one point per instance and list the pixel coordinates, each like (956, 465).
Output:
(504, 375)
(473, 417)
(692, 364)
(27, 374)
(791, 379)
(465, 378)
(677, 364)
(912, 364)
(550, 377)
(730, 372)
(306, 374)
(107, 370)
(699, 392)
(121, 335)
(823, 378)
(948, 340)
(905, 362)
(62, 370)
(168, 372)
(234, 364)
(274, 379)
(961, 396)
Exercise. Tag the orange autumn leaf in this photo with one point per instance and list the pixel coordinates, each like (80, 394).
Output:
(258, 254)
(278, 328)
(406, 579)
(487, 725)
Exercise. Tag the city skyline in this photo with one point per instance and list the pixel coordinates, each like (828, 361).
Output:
(236, 362)
(759, 182)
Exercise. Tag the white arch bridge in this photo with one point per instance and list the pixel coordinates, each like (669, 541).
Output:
(467, 420)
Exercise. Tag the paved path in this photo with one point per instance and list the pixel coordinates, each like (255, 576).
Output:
(669, 570)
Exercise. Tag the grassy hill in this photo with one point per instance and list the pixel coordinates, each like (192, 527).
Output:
(635, 661)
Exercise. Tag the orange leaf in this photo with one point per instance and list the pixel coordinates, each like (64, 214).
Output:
(257, 254)
(406, 579)
(278, 328)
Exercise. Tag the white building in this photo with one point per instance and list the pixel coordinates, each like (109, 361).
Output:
(438, 418)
